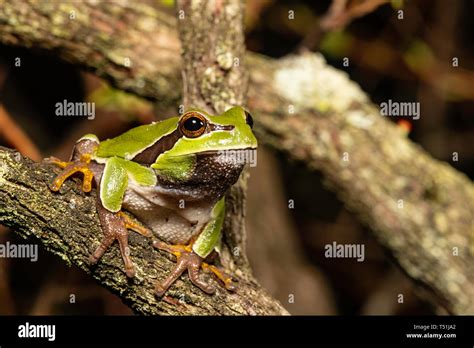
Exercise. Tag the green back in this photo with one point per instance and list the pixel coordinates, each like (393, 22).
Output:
(134, 141)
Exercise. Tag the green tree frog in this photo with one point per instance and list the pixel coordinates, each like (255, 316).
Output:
(166, 180)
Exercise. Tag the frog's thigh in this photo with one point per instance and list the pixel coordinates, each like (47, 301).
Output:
(210, 236)
(113, 184)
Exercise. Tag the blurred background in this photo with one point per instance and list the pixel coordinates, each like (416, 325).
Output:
(404, 56)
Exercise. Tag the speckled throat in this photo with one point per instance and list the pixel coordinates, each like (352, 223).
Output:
(213, 175)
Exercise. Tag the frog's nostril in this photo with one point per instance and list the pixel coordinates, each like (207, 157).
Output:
(249, 119)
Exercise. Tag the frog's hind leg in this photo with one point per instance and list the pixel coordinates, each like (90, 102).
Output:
(115, 227)
(133, 224)
(79, 162)
(191, 256)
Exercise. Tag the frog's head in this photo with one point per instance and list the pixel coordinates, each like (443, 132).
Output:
(201, 132)
(209, 149)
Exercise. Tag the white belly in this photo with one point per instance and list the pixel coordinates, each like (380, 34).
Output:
(172, 220)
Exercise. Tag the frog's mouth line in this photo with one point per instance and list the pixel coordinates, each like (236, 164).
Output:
(228, 151)
(235, 158)
(220, 127)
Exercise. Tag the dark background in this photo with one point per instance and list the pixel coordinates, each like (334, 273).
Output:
(403, 60)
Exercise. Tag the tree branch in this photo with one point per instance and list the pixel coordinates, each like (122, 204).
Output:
(212, 38)
(67, 225)
(303, 107)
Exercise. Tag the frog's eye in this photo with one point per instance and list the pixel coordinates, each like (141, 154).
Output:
(248, 119)
(192, 124)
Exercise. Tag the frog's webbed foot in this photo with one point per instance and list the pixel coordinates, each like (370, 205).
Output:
(220, 274)
(69, 169)
(186, 260)
(115, 227)
(79, 162)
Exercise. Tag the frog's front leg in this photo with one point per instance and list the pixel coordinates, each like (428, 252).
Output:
(79, 162)
(115, 223)
(191, 257)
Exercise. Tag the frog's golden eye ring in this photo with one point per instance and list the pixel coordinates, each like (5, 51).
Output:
(249, 119)
(192, 124)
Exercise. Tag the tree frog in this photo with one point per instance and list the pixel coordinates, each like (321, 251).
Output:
(166, 180)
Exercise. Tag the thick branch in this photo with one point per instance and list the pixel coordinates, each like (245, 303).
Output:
(212, 38)
(68, 226)
(311, 112)
(130, 44)
(420, 209)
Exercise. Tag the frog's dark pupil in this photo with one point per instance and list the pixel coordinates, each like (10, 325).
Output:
(249, 119)
(193, 124)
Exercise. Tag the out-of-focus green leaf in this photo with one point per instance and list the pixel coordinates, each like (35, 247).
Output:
(397, 4)
(419, 55)
(297, 18)
(336, 43)
(111, 99)
(168, 3)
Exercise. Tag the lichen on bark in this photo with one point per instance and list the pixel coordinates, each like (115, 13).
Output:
(66, 223)
(384, 166)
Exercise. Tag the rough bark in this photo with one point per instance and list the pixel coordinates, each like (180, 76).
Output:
(311, 112)
(212, 38)
(417, 207)
(130, 44)
(67, 225)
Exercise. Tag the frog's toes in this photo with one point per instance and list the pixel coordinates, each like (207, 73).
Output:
(56, 161)
(70, 168)
(186, 260)
(115, 226)
(221, 275)
(131, 223)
